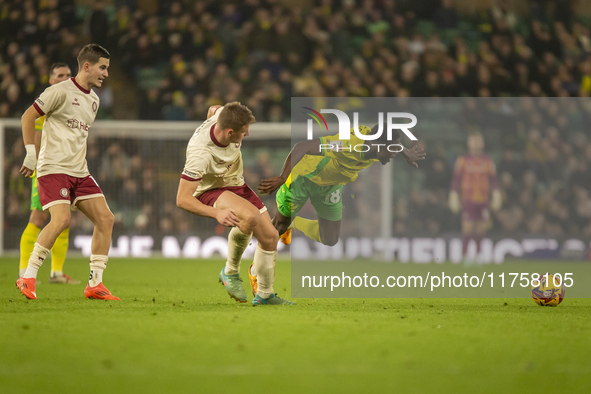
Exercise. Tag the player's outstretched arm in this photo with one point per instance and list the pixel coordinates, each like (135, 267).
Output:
(28, 127)
(413, 154)
(185, 200)
(312, 147)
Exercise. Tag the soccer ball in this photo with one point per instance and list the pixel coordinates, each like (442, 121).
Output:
(547, 293)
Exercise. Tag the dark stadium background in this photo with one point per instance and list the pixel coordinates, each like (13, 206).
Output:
(173, 59)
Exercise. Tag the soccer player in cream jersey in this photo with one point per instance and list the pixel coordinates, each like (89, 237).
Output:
(58, 72)
(70, 108)
(212, 185)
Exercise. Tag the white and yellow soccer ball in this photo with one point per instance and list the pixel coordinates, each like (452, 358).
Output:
(549, 292)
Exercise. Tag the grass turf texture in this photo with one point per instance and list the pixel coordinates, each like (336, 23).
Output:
(176, 330)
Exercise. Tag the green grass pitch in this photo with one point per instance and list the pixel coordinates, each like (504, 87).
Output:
(177, 331)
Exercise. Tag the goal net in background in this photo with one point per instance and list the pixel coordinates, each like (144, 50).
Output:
(138, 166)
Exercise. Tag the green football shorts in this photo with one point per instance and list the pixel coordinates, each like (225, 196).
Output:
(35, 202)
(326, 200)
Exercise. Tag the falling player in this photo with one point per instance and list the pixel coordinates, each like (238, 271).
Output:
(212, 185)
(317, 170)
(58, 72)
(474, 176)
(62, 172)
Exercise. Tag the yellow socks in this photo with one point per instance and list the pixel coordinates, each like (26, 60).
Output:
(308, 227)
(59, 250)
(28, 240)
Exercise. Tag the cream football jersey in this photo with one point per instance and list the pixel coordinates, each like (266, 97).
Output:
(208, 161)
(69, 111)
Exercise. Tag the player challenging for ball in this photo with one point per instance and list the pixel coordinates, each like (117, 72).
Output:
(317, 170)
(70, 108)
(212, 185)
(474, 177)
(58, 72)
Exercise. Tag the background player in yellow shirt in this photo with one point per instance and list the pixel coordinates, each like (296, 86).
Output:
(58, 72)
(317, 170)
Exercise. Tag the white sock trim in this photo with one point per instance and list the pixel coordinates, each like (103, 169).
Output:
(37, 258)
(98, 263)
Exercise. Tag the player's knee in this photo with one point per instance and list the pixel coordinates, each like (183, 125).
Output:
(274, 238)
(61, 223)
(38, 218)
(249, 219)
(269, 242)
(105, 221)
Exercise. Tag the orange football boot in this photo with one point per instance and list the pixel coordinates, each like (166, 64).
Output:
(253, 281)
(99, 292)
(286, 237)
(27, 287)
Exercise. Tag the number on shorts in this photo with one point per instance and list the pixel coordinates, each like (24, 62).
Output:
(334, 197)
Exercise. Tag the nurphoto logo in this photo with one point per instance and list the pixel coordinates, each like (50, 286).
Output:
(345, 127)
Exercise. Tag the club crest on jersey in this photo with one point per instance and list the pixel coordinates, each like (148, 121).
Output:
(94, 106)
(64, 192)
(76, 102)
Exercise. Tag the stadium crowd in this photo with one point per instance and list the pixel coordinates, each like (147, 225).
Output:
(190, 55)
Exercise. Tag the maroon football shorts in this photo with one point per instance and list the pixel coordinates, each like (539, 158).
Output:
(475, 211)
(64, 189)
(209, 197)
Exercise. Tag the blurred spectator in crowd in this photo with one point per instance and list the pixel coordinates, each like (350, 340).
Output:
(189, 56)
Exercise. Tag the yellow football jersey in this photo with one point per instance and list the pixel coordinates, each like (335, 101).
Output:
(39, 123)
(340, 162)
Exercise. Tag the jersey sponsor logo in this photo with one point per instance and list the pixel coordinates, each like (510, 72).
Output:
(221, 162)
(64, 192)
(76, 124)
(338, 145)
(94, 106)
(189, 173)
(76, 102)
(39, 101)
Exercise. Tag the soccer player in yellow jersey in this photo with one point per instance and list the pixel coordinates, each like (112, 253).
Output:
(58, 72)
(317, 170)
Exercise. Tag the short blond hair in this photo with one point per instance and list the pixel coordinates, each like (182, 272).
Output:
(235, 116)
